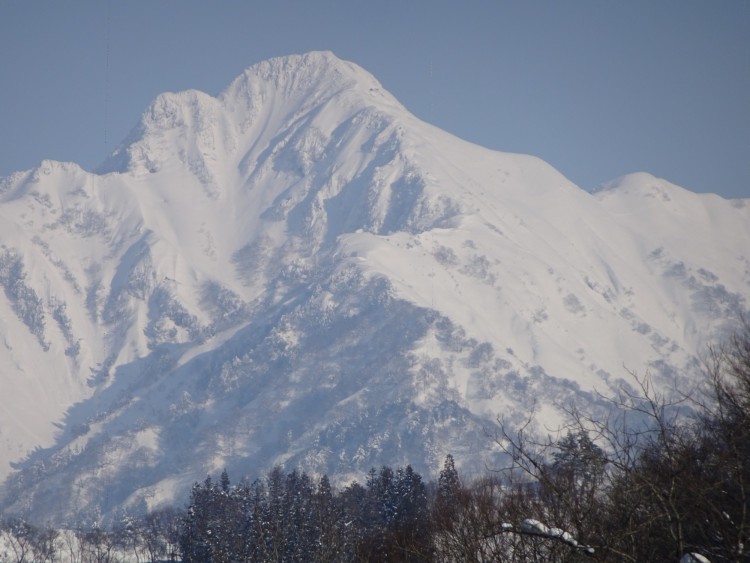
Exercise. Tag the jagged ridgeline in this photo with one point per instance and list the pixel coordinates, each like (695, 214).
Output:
(299, 272)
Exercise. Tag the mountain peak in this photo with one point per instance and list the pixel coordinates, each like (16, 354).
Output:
(637, 181)
(191, 125)
(319, 71)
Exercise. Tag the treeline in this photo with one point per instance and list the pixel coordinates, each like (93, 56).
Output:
(154, 537)
(291, 518)
(657, 479)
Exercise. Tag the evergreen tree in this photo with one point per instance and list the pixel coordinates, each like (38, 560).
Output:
(449, 487)
(411, 526)
(331, 528)
(224, 481)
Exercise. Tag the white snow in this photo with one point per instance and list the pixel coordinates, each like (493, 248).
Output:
(694, 558)
(299, 270)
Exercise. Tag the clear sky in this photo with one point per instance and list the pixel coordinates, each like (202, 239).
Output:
(597, 88)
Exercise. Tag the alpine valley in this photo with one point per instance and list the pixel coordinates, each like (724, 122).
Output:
(299, 272)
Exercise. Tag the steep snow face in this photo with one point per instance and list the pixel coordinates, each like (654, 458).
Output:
(300, 272)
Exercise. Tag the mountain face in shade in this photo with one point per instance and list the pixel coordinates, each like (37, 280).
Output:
(300, 272)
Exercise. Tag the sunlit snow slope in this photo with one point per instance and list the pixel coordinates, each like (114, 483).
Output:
(300, 272)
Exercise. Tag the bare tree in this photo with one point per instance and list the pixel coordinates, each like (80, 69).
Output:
(663, 474)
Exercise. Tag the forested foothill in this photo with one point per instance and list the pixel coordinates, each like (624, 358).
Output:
(663, 478)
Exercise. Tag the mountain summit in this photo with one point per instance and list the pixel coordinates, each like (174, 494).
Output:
(275, 95)
(300, 272)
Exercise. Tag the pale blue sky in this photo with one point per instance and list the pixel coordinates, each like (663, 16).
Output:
(597, 88)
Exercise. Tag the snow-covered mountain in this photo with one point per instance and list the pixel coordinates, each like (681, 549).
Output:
(300, 272)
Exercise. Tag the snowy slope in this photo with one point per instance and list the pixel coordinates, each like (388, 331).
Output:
(299, 271)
